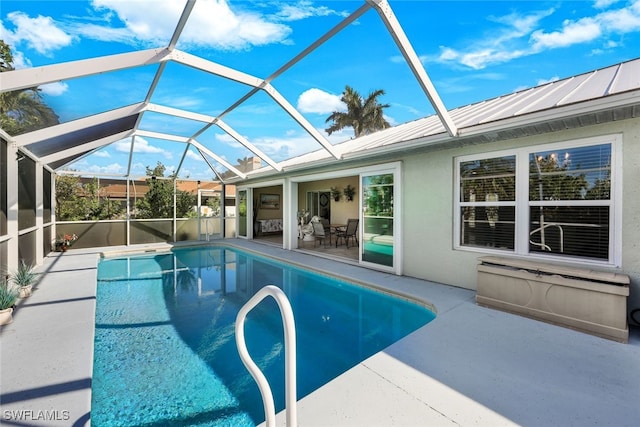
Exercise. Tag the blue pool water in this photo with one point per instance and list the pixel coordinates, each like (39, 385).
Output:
(165, 350)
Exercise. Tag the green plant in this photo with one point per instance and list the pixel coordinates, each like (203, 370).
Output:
(8, 294)
(24, 275)
(349, 192)
(65, 241)
(335, 193)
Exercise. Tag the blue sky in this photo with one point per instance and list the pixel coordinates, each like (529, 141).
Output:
(472, 50)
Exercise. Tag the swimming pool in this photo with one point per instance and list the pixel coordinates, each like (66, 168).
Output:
(165, 349)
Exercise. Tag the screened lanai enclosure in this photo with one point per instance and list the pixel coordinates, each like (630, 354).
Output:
(177, 169)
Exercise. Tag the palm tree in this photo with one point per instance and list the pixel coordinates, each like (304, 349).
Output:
(363, 115)
(22, 110)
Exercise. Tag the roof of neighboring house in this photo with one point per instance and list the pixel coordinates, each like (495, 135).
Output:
(118, 188)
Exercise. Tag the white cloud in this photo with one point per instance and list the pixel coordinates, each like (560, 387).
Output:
(583, 30)
(305, 9)
(102, 33)
(522, 35)
(141, 146)
(102, 153)
(501, 46)
(19, 60)
(292, 145)
(193, 156)
(113, 168)
(603, 4)
(545, 81)
(621, 21)
(320, 102)
(284, 148)
(399, 59)
(390, 120)
(227, 139)
(212, 23)
(54, 89)
(41, 33)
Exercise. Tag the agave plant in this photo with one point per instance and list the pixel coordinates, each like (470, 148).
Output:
(8, 294)
(23, 279)
(24, 275)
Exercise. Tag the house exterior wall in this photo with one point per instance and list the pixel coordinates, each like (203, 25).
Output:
(428, 207)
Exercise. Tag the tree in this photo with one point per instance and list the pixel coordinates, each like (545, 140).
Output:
(363, 115)
(22, 110)
(158, 202)
(77, 201)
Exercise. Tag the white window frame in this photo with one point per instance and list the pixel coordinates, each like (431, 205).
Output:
(521, 229)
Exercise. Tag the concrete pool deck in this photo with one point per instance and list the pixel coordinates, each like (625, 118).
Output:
(470, 366)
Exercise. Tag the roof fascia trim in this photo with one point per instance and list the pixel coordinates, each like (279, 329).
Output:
(593, 106)
(36, 76)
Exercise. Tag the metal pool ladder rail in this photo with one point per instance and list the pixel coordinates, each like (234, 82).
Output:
(289, 355)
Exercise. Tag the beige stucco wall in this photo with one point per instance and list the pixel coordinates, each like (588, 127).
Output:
(428, 208)
(268, 213)
(340, 210)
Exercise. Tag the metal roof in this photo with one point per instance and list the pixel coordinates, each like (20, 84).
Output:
(607, 94)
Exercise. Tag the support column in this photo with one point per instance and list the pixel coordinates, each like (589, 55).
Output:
(223, 204)
(12, 206)
(53, 205)
(39, 214)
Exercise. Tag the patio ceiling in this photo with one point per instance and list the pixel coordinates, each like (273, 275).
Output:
(63, 144)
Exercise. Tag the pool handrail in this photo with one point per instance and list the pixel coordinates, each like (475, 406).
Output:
(289, 360)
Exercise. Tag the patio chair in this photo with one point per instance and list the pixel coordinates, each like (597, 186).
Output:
(318, 232)
(327, 228)
(350, 232)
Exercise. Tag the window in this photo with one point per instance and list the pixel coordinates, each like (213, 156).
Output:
(556, 200)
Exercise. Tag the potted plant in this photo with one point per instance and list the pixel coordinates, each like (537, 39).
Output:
(336, 193)
(349, 192)
(23, 278)
(8, 297)
(64, 242)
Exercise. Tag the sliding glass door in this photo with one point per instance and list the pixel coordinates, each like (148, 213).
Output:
(242, 213)
(378, 241)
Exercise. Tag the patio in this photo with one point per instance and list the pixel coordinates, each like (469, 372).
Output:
(470, 366)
